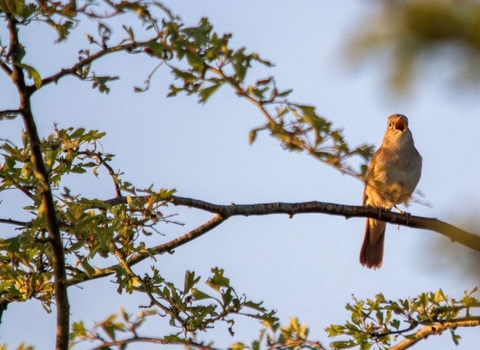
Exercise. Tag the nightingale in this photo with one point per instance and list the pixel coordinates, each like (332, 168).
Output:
(393, 174)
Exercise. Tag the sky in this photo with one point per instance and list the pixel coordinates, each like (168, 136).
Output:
(306, 266)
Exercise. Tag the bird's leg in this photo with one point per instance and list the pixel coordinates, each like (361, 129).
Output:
(398, 209)
(407, 215)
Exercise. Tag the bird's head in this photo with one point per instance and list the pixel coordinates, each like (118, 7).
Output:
(398, 122)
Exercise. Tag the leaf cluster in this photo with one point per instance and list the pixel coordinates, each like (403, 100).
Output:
(188, 309)
(89, 226)
(381, 322)
(201, 60)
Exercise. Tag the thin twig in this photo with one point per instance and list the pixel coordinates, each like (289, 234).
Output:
(241, 92)
(20, 188)
(72, 70)
(110, 170)
(152, 340)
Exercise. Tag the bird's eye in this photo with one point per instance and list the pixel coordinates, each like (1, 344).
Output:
(390, 124)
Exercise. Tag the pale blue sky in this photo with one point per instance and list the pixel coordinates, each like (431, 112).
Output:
(306, 266)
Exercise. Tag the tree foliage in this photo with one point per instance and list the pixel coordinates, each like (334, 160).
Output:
(63, 239)
(414, 32)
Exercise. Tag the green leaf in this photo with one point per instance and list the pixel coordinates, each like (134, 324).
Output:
(284, 93)
(218, 280)
(395, 324)
(77, 133)
(89, 269)
(252, 136)
(344, 344)
(206, 93)
(32, 74)
(78, 170)
(455, 337)
(255, 306)
(78, 330)
(199, 295)
(190, 281)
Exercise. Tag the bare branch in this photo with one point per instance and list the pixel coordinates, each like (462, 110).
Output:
(223, 212)
(455, 234)
(177, 242)
(9, 111)
(435, 329)
(13, 222)
(404, 219)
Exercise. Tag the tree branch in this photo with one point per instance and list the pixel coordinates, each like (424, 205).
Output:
(13, 222)
(58, 254)
(90, 59)
(241, 92)
(223, 212)
(160, 249)
(187, 342)
(3, 306)
(22, 189)
(110, 170)
(434, 329)
(177, 242)
(8, 112)
(6, 69)
(455, 234)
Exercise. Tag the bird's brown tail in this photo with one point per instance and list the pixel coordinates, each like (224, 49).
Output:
(371, 254)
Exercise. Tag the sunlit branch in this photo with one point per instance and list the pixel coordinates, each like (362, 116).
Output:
(434, 329)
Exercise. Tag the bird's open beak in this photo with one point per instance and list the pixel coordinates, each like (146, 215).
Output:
(400, 125)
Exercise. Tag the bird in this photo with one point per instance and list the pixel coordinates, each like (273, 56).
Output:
(392, 176)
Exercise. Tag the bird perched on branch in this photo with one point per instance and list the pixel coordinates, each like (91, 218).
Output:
(392, 176)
